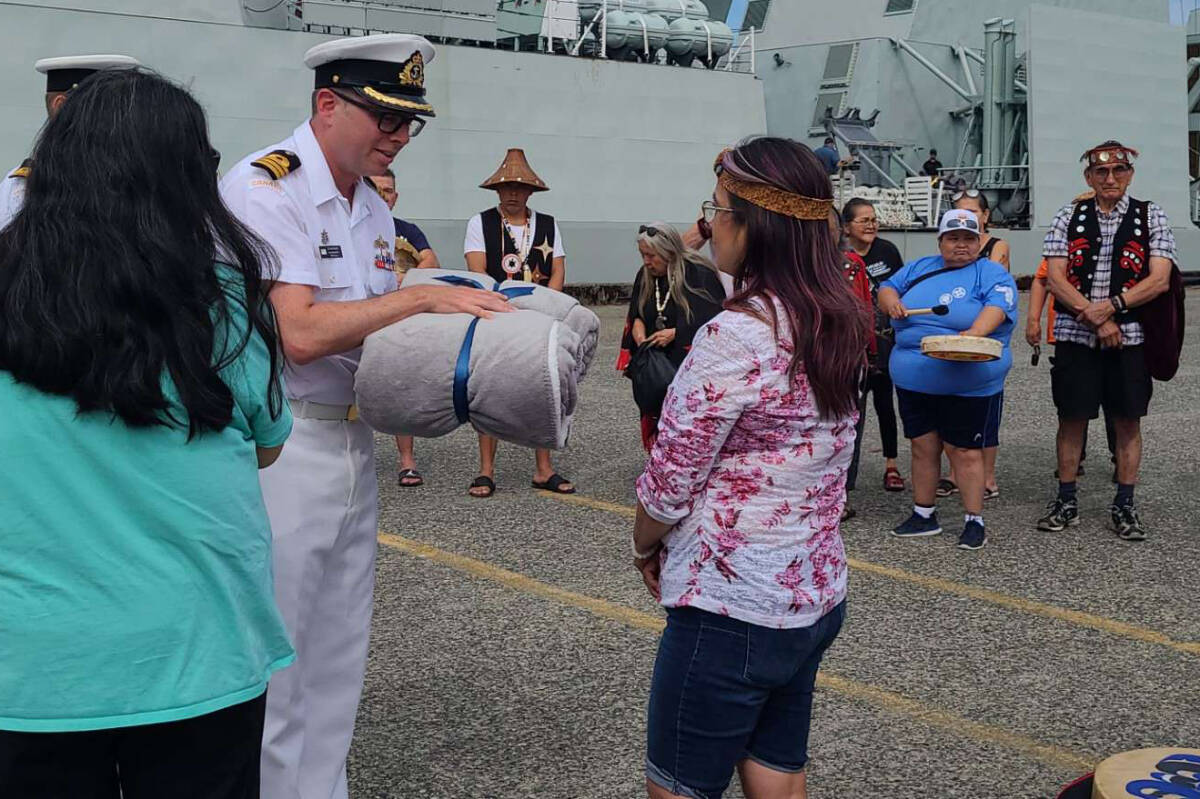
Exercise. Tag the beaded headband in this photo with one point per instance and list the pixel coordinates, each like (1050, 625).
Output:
(776, 200)
(1110, 152)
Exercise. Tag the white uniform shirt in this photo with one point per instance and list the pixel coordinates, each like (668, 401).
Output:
(345, 251)
(474, 241)
(12, 196)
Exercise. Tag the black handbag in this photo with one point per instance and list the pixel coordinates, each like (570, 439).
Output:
(652, 373)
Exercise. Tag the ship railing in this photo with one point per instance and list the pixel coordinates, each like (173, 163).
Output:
(747, 43)
(979, 177)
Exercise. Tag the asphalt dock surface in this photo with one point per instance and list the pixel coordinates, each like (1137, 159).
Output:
(513, 641)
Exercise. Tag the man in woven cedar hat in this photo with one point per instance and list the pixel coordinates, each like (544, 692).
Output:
(1106, 257)
(62, 75)
(510, 241)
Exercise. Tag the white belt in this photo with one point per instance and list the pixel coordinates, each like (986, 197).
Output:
(303, 409)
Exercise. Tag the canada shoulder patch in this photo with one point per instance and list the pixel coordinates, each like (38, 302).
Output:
(278, 163)
(23, 170)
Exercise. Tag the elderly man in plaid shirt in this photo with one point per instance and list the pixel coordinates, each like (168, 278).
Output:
(1107, 257)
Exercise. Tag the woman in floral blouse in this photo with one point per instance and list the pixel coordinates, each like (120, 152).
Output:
(737, 526)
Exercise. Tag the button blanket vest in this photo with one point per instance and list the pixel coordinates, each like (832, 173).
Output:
(498, 245)
(1130, 256)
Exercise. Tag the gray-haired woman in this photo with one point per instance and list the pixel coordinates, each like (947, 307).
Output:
(676, 292)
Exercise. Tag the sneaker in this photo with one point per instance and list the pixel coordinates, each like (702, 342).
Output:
(1126, 524)
(1062, 514)
(973, 536)
(917, 526)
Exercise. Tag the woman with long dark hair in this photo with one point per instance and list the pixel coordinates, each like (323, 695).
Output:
(737, 524)
(139, 394)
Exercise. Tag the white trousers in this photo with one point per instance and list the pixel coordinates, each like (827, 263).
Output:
(321, 496)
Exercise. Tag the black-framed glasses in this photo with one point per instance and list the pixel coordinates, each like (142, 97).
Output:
(1116, 171)
(974, 194)
(710, 209)
(389, 122)
(648, 230)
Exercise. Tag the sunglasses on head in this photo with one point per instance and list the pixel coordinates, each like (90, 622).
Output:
(647, 230)
(972, 193)
(966, 224)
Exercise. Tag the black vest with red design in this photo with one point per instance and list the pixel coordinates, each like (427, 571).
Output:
(499, 243)
(1130, 255)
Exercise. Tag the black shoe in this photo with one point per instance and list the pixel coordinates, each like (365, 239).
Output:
(1062, 514)
(973, 536)
(917, 526)
(1125, 523)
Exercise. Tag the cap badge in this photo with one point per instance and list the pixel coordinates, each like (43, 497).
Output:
(413, 71)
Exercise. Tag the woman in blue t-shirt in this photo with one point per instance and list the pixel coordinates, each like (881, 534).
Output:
(139, 396)
(951, 403)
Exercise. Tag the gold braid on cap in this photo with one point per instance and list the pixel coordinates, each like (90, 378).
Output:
(775, 200)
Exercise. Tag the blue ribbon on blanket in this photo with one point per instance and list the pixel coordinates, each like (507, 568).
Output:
(462, 367)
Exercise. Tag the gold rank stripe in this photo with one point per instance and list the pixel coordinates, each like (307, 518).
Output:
(276, 164)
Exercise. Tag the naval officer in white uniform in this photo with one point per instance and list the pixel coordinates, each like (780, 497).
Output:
(62, 75)
(334, 238)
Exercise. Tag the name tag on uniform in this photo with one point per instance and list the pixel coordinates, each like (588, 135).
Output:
(330, 251)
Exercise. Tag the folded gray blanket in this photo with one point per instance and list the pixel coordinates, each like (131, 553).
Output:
(554, 304)
(515, 379)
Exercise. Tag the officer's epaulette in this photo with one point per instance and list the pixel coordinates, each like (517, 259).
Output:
(23, 170)
(278, 163)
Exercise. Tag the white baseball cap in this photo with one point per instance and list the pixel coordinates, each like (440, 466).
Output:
(958, 219)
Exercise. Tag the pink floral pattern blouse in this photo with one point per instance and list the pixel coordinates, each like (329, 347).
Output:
(753, 480)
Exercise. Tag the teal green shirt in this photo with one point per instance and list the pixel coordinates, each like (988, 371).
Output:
(135, 565)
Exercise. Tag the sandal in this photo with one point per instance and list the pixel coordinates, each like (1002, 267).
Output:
(991, 493)
(848, 513)
(892, 480)
(482, 481)
(410, 478)
(554, 484)
(946, 488)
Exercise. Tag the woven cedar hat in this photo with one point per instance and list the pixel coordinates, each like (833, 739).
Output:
(515, 169)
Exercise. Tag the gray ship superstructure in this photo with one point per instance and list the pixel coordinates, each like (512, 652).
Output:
(620, 143)
(622, 104)
(1009, 92)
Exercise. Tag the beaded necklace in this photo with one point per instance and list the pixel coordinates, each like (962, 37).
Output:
(660, 305)
(526, 241)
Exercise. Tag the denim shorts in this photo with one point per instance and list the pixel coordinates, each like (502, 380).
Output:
(725, 690)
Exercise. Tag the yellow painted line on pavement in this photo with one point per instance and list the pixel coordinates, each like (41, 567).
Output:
(1019, 604)
(1057, 756)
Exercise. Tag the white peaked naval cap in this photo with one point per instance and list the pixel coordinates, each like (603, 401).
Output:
(387, 69)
